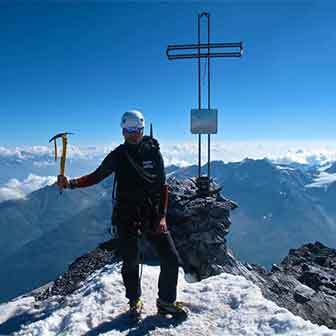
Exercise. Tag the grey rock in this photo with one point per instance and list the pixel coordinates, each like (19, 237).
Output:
(303, 285)
(303, 293)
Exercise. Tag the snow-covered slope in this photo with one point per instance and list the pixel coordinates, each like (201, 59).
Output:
(323, 180)
(224, 305)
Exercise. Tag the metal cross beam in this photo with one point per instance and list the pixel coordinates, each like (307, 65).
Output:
(204, 46)
(172, 54)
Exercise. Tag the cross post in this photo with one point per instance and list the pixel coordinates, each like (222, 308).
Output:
(203, 182)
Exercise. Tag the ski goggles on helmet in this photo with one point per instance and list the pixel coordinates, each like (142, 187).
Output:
(136, 130)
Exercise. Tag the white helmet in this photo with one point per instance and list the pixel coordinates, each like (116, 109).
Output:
(132, 119)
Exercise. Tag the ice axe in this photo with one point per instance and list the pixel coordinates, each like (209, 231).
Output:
(64, 137)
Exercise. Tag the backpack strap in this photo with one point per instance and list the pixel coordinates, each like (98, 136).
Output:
(113, 189)
(150, 178)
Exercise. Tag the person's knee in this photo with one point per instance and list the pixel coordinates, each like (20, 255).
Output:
(166, 250)
(129, 251)
(171, 259)
(129, 265)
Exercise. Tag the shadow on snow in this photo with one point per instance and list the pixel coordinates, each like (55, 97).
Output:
(123, 322)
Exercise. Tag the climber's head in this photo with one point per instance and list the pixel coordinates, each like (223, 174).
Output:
(133, 124)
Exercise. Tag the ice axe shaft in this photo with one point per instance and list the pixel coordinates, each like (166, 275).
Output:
(64, 153)
(64, 137)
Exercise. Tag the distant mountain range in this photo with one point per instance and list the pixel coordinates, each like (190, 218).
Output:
(43, 233)
(24, 169)
(280, 208)
(277, 209)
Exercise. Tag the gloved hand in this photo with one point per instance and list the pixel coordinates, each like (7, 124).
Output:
(161, 227)
(62, 182)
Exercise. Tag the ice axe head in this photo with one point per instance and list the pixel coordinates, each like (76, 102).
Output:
(59, 135)
(64, 151)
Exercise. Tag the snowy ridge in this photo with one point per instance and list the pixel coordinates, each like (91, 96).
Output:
(223, 305)
(323, 180)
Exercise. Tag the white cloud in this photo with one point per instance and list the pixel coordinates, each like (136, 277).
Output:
(312, 153)
(7, 193)
(43, 163)
(180, 154)
(186, 153)
(47, 152)
(14, 188)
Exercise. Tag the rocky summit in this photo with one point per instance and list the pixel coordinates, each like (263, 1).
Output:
(304, 282)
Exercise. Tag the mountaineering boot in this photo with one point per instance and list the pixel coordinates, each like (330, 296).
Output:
(174, 309)
(135, 309)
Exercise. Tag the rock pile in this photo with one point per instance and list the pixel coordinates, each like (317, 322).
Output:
(304, 283)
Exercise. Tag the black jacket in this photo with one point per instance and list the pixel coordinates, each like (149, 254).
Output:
(130, 182)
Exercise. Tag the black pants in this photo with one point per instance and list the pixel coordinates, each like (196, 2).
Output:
(130, 253)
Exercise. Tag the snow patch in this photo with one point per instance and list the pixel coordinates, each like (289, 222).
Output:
(223, 305)
(284, 168)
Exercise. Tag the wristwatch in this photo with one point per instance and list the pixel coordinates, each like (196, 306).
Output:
(72, 184)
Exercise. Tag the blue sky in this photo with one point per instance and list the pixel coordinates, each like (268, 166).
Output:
(77, 66)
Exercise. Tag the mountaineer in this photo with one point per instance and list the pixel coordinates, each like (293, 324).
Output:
(141, 199)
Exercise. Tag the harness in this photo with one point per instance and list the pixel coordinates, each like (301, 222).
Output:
(146, 203)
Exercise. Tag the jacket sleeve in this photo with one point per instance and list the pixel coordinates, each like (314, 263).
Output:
(106, 168)
(163, 205)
